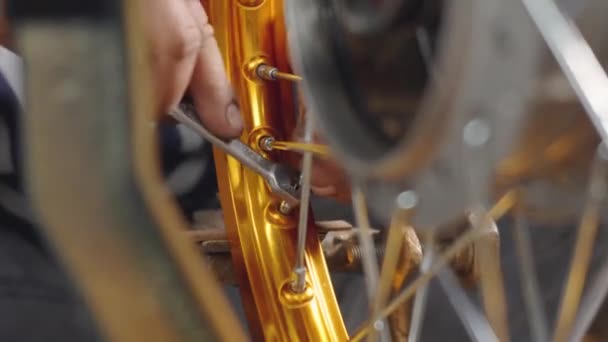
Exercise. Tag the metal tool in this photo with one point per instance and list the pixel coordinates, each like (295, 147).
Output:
(282, 180)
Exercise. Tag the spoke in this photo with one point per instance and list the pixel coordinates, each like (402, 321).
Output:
(271, 73)
(411, 258)
(476, 137)
(591, 304)
(583, 249)
(299, 270)
(503, 206)
(392, 253)
(405, 202)
(457, 246)
(302, 147)
(589, 81)
(395, 244)
(426, 52)
(576, 58)
(369, 262)
(531, 292)
(475, 322)
(421, 296)
(487, 259)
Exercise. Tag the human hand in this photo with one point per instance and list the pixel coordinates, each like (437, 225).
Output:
(185, 57)
(328, 178)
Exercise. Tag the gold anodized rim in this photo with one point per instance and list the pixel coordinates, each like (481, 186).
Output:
(263, 240)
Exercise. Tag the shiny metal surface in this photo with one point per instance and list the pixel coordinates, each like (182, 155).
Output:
(299, 268)
(263, 241)
(270, 73)
(283, 181)
(494, 113)
(321, 151)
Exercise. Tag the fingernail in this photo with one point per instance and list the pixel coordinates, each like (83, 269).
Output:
(234, 118)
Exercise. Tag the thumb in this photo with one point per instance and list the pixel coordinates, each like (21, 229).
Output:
(210, 88)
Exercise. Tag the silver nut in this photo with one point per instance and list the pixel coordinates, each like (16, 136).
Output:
(266, 143)
(285, 208)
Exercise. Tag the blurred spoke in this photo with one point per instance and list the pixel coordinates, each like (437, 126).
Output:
(576, 58)
(531, 292)
(395, 239)
(394, 244)
(421, 295)
(299, 270)
(474, 321)
(424, 43)
(487, 259)
(583, 249)
(411, 258)
(444, 259)
(504, 204)
(369, 262)
(591, 304)
(368, 255)
(301, 147)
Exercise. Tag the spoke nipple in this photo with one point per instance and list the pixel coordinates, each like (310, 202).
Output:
(299, 283)
(266, 143)
(266, 72)
(295, 299)
(285, 208)
(271, 73)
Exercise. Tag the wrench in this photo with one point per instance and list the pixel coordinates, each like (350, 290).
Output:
(282, 180)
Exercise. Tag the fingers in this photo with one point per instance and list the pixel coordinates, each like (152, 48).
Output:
(327, 173)
(185, 55)
(174, 40)
(327, 177)
(210, 88)
(328, 191)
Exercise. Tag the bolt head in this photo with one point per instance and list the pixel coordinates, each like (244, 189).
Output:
(266, 143)
(285, 208)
